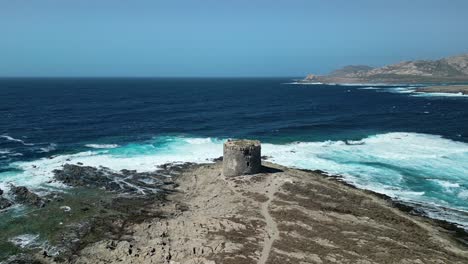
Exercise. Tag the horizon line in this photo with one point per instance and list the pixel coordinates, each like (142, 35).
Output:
(144, 77)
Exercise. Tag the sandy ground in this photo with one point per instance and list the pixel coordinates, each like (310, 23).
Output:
(445, 89)
(280, 216)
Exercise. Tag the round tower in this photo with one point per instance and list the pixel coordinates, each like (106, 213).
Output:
(241, 157)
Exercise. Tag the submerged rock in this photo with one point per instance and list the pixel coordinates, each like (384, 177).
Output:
(24, 195)
(5, 203)
(1, 192)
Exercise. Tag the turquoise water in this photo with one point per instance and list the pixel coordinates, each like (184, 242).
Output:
(386, 139)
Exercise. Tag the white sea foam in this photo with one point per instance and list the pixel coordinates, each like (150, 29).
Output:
(395, 164)
(400, 90)
(49, 148)
(447, 184)
(198, 141)
(4, 151)
(391, 88)
(463, 195)
(142, 157)
(354, 84)
(421, 94)
(102, 146)
(370, 84)
(411, 91)
(411, 167)
(369, 88)
(25, 241)
(16, 140)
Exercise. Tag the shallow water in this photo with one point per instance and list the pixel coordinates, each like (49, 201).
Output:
(386, 139)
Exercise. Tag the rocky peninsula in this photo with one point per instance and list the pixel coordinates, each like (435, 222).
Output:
(453, 70)
(455, 89)
(280, 215)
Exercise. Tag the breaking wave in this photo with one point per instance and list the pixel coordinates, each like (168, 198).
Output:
(12, 139)
(101, 146)
(439, 94)
(422, 169)
(49, 148)
(412, 91)
(4, 151)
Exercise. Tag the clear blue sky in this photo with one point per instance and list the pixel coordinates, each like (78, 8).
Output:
(222, 37)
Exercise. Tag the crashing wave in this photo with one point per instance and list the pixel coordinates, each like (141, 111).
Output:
(4, 151)
(25, 241)
(102, 146)
(49, 148)
(410, 167)
(421, 94)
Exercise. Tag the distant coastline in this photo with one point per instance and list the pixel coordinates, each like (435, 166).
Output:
(455, 89)
(450, 70)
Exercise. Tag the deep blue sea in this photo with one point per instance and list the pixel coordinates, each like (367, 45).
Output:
(413, 147)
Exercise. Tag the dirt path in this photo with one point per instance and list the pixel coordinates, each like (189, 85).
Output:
(271, 226)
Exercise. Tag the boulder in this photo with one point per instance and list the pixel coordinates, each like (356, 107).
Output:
(5, 203)
(25, 196)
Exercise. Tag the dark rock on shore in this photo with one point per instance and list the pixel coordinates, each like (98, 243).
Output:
(218, 159)
(5, 203)
(104, 204)
(24, 195)
(125, 181)
(75, 175)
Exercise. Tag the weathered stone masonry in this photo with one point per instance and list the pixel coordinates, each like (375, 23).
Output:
(241, 157)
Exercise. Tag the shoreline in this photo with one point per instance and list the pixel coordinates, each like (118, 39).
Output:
(262, 218)
(458, 232)
(452, 89)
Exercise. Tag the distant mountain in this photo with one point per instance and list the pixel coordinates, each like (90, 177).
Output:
(351, 70)
(452, 69)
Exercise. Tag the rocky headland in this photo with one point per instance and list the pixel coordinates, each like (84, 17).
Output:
(280, 215)
(48, 226)
(446, 70)
(455, 89)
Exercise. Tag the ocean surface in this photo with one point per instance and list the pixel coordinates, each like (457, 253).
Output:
(389, 139)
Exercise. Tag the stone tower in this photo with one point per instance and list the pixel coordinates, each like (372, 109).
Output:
(241, 157)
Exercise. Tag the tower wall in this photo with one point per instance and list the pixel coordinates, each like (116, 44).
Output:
(241, 157)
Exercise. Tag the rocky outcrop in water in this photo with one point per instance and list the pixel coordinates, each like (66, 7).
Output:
(102, 204)
(5, 203)
(25, 196)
